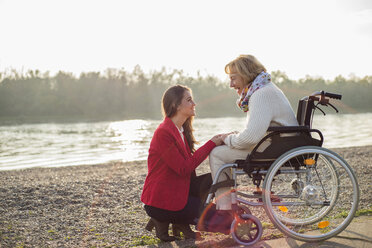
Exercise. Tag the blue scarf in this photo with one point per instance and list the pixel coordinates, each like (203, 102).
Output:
(259, 82)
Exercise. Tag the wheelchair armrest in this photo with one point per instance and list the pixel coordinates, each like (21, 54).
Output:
(289, 129)
(283, 144)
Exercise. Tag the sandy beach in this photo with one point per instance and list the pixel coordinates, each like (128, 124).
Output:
(99, 205)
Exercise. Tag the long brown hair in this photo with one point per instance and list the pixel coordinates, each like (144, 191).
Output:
(172, 98)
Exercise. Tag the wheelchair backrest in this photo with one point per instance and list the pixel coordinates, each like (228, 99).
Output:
(305, 112)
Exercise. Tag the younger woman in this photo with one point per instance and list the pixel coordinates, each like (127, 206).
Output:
(172, 192)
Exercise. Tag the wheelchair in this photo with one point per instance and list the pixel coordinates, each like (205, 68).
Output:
(309, 193)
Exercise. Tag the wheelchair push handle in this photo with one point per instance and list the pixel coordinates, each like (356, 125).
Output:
(323, 94)
(333, 95)
(323, 100)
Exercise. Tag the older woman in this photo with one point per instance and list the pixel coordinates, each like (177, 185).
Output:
(265, 105)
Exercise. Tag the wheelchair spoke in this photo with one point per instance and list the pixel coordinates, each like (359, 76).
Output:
(325, 194)
(250, 236)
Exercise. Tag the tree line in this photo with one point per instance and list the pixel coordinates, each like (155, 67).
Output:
(117, 94)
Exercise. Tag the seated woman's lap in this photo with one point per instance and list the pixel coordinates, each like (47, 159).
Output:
(221, 155)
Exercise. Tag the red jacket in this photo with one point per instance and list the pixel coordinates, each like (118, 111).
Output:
(170, 167)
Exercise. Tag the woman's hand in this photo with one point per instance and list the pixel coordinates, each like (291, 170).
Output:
(217, 139)
(223, 136)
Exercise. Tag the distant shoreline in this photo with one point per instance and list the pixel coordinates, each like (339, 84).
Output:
(99, 205)
(20, 120)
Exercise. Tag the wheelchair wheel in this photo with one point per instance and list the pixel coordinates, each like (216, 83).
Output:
(242, 209)
(316, 193)
(246, 229)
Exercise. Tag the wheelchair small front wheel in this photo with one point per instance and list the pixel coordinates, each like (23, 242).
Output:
(246, 229)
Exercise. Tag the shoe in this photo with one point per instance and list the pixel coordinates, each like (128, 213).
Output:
(186, 230)
(205, 217)
(219, 222)
(209, 212)
(161, 230)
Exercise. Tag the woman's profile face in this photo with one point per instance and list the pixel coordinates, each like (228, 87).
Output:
(187, 106)
(237, 82)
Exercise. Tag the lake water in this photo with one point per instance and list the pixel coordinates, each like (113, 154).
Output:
(53, 145)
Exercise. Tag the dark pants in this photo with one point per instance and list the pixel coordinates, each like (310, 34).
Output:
(199, 187)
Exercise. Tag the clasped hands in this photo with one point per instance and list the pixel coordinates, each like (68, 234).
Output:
(219, 138)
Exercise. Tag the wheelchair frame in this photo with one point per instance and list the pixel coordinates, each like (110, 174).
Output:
(267, 164)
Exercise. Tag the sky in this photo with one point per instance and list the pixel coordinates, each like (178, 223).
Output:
(302, 38)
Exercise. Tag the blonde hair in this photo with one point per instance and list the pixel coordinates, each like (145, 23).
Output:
(247, 66)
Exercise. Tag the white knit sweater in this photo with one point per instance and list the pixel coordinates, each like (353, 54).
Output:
(268, 106)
